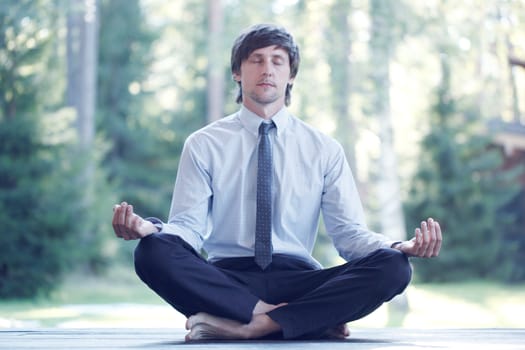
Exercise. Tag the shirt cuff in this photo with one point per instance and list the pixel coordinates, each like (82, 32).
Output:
(394, 244)
(156, 222)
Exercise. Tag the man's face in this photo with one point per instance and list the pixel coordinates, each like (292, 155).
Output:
(264, 76)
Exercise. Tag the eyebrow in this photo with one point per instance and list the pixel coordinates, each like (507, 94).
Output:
(259, 55)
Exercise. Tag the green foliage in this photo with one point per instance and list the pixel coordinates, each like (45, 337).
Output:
(55, 201)
(460, 182)
(136, 160)
(37, 190)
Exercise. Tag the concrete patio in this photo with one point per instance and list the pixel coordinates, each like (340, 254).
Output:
(388, 338)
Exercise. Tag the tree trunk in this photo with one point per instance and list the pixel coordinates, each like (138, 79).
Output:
(513, 85)
(341, 77)
(382, 44)
(391, 215)
(82, 66)
(74, 20)
(80, 94)
(215, 87)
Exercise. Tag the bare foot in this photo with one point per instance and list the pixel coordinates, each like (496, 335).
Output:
(203, 326)
(262, 308)
(339, 332)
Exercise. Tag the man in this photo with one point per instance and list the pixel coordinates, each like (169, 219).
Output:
(249, 192)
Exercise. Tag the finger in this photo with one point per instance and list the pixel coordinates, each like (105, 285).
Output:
(127, 213)
(417, 242)
(121, 220)
(129, 217)
(115, 210)
(116, 220)
(425, 239)
(431, 238)
(133, 223)
(439, 238)
(132, 226)
(137, 222)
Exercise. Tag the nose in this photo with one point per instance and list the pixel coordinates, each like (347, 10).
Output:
(267, 68)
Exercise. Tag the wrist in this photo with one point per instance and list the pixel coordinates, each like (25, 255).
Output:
(157, 224)
(396, 245)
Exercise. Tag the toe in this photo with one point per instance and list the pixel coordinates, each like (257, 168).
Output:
(189, 323)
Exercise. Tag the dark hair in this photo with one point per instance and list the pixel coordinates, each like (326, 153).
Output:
(259, 36)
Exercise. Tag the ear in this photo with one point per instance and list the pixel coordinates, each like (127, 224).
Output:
(236, 77)
(291, 80)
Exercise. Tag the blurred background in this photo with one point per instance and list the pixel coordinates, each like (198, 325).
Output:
(98, 96)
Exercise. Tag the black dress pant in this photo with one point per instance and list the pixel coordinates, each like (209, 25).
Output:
(318, 300)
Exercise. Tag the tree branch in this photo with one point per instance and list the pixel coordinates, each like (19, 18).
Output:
(514, 61)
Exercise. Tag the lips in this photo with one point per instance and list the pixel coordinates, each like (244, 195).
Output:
(266, 84)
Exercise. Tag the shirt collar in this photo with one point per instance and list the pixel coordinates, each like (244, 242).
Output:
(251, 121)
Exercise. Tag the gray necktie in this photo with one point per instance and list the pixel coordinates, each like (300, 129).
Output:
(263, 220)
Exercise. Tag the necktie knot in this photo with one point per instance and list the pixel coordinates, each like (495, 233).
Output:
(264, 128)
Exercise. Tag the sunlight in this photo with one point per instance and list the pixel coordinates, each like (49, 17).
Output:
(280, 6)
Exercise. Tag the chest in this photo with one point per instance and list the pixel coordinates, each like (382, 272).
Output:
(298, 167)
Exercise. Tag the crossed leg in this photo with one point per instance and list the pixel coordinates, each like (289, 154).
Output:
(349, 292)
(203, 326)
(319, 299)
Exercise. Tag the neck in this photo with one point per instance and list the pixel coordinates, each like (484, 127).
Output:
(266, 111)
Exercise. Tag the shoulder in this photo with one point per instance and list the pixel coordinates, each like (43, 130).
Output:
(312, 135)
(215, 132)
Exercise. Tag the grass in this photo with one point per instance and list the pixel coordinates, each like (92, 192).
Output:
(115, 299)
(119, 299)
(471, 304)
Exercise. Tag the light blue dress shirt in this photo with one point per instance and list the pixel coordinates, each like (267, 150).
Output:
(214, 199)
